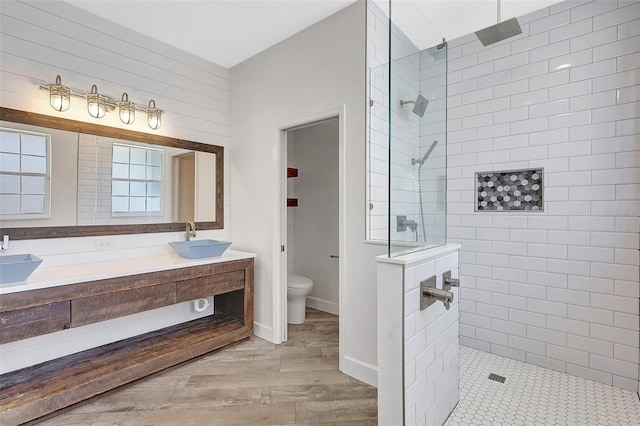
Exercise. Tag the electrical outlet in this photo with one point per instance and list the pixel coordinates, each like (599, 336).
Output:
(104, 244)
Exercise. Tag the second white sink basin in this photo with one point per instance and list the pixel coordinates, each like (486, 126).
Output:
(198, 249)
(17, 267)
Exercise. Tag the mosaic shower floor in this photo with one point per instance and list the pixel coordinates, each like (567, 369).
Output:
(533, 395)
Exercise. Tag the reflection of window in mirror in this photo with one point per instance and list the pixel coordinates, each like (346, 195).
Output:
(136, 180)
(25, 183)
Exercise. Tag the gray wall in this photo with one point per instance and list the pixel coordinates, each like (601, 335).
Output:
(315, 220)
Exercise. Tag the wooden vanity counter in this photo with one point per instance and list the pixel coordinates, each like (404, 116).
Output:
(32, 392)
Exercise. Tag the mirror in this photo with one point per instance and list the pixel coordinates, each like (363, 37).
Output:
(64, 178)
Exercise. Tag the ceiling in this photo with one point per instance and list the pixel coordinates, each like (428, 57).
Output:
(427, 22)
(227, 32)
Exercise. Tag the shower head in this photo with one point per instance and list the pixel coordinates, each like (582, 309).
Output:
(498, 32)
(419, 105)
(426, 155)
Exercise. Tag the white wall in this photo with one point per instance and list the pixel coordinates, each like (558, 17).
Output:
(42, 39)
(559, 288)
(315, 220)
(317, 70)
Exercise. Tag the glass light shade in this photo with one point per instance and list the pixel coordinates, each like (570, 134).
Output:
(126, 110)
(59, 96)
(154, 115)
(96, 103)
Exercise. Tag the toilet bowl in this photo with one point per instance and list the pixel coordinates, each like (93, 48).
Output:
(298, 288)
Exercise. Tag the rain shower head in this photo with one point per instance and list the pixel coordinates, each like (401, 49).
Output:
(419, 105)
(426, 155)
(498, 32)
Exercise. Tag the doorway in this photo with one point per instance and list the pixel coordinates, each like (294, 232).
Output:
(310, 178)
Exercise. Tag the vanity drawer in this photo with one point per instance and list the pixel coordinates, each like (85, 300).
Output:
(209, 286)
(88, 310)
(34, 321)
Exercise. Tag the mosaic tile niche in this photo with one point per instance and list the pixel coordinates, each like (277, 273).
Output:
(509, 190)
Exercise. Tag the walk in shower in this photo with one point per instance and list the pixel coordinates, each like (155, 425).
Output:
(407, 138)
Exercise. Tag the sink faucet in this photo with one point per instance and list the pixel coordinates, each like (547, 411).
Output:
(190, 231)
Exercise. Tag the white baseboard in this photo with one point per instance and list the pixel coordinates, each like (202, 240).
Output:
(360, 370)
(263, 331)
(323, 305)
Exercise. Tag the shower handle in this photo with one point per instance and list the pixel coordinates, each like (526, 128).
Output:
(429, 294)
(448, 282)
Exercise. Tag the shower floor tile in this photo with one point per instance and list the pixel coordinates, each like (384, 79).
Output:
(533, 395)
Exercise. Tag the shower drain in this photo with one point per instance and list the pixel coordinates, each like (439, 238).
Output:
(497, 378)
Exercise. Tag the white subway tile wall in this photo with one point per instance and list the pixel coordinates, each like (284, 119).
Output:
(558, 288)
(431, 346)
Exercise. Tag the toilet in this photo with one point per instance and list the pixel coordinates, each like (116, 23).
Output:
(298, 287)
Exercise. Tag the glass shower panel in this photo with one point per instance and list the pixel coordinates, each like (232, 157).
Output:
(417, 154)
(406, 138)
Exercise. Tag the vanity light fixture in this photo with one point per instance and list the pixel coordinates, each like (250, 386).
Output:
(126, 109)
(154, 115)
(98, 104)
(59, 95)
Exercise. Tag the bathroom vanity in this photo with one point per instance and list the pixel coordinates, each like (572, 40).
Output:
(72, 296)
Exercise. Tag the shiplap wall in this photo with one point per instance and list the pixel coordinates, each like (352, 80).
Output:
(43, 39)
(39, 40)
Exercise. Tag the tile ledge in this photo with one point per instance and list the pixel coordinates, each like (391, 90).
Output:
(420, 256)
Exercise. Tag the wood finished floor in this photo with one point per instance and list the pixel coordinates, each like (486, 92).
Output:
(251, 383)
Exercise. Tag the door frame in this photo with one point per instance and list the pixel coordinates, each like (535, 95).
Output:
(279, 231)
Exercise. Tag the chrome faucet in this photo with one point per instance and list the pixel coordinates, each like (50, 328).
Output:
(190, 231)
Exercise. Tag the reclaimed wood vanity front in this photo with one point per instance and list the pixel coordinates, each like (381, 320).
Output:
(35, 391)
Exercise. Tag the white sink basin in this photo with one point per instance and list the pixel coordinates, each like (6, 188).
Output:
(198, 249)
(17, 267)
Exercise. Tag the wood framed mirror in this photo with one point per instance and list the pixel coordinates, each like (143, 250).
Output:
(126, 182)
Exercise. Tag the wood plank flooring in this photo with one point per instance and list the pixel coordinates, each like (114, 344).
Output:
(251, 383)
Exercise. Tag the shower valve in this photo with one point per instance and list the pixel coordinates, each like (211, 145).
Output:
(429, 294)
(402, 224)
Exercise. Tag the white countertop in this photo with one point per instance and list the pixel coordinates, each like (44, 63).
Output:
(53, 276)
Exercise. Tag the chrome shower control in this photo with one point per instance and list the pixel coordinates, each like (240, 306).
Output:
(429, 294)
(448, 282)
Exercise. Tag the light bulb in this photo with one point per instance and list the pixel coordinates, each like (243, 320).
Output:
(59, 103)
